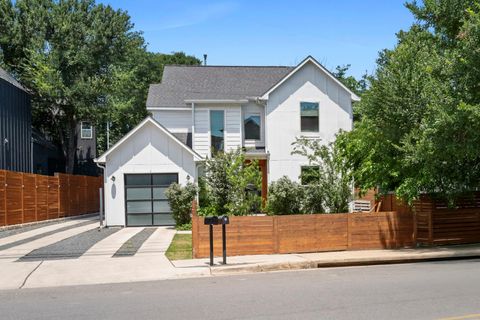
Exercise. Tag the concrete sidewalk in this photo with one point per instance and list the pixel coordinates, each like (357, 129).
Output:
(262, 263)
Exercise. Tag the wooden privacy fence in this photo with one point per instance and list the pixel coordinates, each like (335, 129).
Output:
(28, 197)
(306, 233)
(437, 223)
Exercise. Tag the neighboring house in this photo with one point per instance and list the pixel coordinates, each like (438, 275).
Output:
(15, 125)
(47, 156)
(86, 149)
(197, 109)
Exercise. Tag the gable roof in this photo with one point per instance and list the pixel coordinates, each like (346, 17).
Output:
(310, 59)
(7, 77)
(180, 83)
(103, 157)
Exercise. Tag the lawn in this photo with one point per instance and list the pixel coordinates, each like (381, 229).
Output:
(180, 248)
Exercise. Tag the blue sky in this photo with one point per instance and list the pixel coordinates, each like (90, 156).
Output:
(262, 32)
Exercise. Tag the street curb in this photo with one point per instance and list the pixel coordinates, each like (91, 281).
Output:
(317, 264)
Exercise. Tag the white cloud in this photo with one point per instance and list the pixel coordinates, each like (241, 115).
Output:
(190, 16)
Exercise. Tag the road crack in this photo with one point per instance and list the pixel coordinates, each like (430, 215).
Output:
(28, 276)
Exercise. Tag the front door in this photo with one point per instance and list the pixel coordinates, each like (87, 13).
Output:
(145, 201)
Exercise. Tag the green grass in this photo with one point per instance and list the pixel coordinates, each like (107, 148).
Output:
(180, 248)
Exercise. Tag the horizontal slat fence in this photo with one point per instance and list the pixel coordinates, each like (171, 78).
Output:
(439, 224)
(248, 235)
(26, 197)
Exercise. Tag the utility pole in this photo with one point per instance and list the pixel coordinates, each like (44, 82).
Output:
(108, 135)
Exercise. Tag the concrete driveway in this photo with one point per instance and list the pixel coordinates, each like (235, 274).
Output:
(76, 252)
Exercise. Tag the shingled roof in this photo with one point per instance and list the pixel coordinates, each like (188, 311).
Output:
(7, 77)
(182, 83)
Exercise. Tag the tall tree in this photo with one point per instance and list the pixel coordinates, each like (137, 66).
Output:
(419, 127)
(125, 103)
(65, 52)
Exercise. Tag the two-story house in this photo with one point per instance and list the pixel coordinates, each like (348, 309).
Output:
(198, 109)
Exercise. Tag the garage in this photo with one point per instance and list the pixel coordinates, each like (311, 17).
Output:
(137, 171)
(145, 200)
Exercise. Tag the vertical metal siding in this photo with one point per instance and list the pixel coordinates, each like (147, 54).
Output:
(15, 125)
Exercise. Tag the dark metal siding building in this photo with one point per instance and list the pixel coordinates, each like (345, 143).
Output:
(15, 125)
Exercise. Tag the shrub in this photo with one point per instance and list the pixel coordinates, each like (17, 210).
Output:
(284, 197)
(331, 181)
(184, 227)
(312, 199)
(180, 199)
(227, 177)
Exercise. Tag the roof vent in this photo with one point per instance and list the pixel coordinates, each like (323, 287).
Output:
(204, 59)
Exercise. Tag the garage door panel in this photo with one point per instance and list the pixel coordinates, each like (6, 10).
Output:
(145, 200)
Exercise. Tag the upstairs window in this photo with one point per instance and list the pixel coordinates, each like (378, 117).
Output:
(251, 126)
(309, 117)
(217, 130)
(86, 130)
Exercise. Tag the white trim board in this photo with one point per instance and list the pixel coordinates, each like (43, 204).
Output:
(310, 59)
(103, 157)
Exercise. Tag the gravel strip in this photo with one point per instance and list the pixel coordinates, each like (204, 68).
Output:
(8, 231)
(70, 248)
(131, 247)
(42, 235)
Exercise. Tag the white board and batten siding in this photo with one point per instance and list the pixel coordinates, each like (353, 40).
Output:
(233, 128)
(308, 84)
(148, 150)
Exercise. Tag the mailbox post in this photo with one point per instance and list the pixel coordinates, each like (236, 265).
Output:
(211, 221)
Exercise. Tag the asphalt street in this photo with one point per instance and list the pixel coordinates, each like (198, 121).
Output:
(435, 290)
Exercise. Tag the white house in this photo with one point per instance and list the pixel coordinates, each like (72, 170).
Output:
(200, 108)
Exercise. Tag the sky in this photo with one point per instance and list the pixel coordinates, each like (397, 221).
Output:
(264, 32)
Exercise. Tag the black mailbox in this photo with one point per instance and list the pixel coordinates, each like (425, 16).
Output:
(211, 221)
(223, 220)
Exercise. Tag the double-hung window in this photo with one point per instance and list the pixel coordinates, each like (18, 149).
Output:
(309, 117)
(86, 130)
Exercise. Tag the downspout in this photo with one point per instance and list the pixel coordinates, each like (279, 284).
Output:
(104, 169)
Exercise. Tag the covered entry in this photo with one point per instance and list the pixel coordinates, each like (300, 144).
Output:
(145, 201)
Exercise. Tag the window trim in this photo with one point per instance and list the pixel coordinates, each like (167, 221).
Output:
(300, 118)
(246, 115)
(82, 136)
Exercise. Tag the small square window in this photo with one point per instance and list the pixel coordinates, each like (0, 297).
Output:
(86, 130)
(309, 117)
(309, 174)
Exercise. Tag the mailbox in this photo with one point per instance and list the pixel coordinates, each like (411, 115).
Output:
(216, 220)
(223, 220)
(211, 220)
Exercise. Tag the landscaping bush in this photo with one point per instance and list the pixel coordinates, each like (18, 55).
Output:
(180, 199)
(312, 199)
(284, 197)
(329, 186)
(223, 188)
